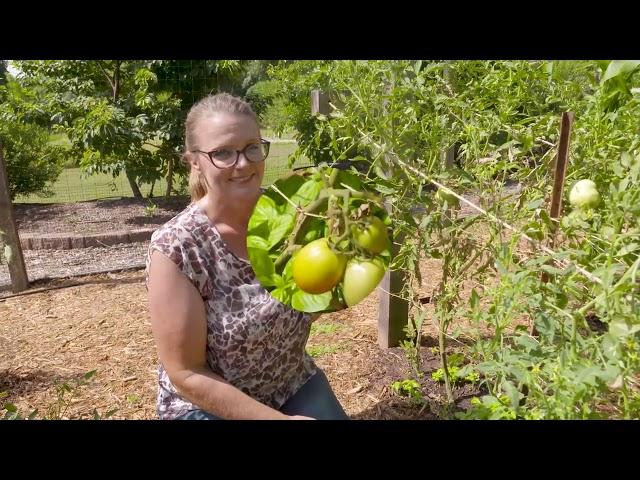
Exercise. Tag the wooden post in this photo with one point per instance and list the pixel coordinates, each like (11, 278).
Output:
(393, 311)
(319, 103)
(560, 168)
(560, 171)
(17, 270)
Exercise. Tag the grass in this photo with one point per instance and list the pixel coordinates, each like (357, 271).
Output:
(270, 134)
(319, 350)
(72, 186)
(324, 328)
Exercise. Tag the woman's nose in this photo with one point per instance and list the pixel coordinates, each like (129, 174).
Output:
(243, 161)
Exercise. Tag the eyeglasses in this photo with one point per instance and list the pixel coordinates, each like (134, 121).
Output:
(227, 158)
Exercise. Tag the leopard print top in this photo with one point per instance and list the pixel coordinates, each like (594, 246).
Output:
(254, 342)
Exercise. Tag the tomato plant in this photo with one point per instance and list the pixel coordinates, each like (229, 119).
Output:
(308, 228)
(582, 361)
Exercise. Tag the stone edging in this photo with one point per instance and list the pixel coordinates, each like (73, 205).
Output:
(66, 241)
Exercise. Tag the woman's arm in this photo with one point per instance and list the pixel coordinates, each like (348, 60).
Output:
(179, 326)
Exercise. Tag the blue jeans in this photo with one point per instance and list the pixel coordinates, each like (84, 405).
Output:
(314, 399)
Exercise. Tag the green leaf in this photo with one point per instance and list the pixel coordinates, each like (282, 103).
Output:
(632, 247)
(349, 179)
(254, 241)
(262, 266)
(474, 300)
(307, 193)
(308, 302)
(551, 270)
(527, 342)
(603, 64)
(261, 230)
(264, 211)
(535, 204)
(608, 373)
(278, 280)
(384, 190)
(287, 273)
(620, 328)
(511, 392)
(466, 370)
(282, 295)
(587, 375)
(620, 67)
(289, 186)
(381, 172)
(279, 227)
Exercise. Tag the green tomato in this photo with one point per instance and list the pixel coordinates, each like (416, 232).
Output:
(316, 268)
(584, 194)
(361, 277)
(374, 237)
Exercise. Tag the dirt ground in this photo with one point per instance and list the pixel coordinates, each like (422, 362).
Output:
(63, 328)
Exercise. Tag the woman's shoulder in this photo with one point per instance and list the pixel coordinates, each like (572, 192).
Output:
(185, 224)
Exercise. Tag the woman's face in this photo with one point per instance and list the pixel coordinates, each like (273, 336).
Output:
(227, 133)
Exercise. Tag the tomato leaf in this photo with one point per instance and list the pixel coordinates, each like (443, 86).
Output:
(287, 273)
(264, 211)
(620, 67)
(282, 295)
(632, 247)
(308, 302)
(288, 186)
(279, 227)
(307, 193)
(255, 241)
(350, 179)
(262, 266)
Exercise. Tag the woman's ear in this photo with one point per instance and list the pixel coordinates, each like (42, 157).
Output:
(191, 160)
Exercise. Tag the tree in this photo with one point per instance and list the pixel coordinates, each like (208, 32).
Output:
(114, 119)
(32, 163)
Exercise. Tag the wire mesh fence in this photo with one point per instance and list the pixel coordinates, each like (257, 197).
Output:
(188, 80)
(75, 186)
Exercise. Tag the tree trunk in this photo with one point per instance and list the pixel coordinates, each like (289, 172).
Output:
(169, 177)
(116, 82)
(133, 184)
(116, 92)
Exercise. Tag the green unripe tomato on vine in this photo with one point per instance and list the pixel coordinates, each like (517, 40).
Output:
(374, 237)
(584, 194)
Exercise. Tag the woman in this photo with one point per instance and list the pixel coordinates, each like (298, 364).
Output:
(227, 349)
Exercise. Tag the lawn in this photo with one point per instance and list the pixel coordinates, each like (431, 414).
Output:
(71, 186)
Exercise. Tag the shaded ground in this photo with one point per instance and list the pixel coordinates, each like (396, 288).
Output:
(96, 216)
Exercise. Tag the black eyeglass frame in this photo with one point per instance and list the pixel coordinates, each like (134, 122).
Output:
(266, 143)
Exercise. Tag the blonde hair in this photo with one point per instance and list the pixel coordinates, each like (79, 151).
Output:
(207, 106)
